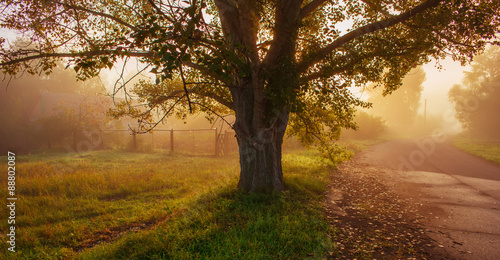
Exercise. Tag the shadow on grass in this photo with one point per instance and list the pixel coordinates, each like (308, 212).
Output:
(160, 206)
(228, 224)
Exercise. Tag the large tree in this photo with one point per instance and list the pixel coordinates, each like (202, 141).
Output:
(477, 100)
(273, 63)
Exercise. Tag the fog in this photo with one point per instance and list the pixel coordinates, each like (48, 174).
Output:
(443, 97)
(402, 113)
(42, 112)
(58, 113)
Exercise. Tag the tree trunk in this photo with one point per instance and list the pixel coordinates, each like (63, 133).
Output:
(260, 157)
(259, 103)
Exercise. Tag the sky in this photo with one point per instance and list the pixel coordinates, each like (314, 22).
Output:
(438, 82)
(436, 86)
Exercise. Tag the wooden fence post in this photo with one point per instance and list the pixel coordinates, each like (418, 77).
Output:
(134, 141)
(172, 140)
(216, 143)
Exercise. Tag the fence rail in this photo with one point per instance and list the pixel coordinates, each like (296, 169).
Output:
(194, 141)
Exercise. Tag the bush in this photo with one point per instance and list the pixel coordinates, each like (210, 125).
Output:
(369, 127)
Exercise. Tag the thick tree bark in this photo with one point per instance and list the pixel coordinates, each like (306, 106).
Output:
(260, 157)
(260, 120)
(260, 135)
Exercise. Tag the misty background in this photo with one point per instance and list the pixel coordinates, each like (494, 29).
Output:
(45, 111)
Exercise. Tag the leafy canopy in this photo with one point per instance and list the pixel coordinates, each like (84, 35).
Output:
(296, 53)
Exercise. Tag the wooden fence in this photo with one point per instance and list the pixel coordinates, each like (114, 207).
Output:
(192, 141)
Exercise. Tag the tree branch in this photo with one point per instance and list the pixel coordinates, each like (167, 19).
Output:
(158, 9)
(181, 71)
(152, 126)
(204, 71)
(193, 90)
(328, 72)
(367, 29)
(287, 17)
(377, 8)
(219, 99)
(116, 19)
(75, 55)
(311, 7)
(215, 113)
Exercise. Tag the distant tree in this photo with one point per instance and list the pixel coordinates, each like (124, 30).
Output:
(271, 63)
(18, 97)
(15, 108)
(369, 127)
(400, 108)
(477, 100)
(72, 121)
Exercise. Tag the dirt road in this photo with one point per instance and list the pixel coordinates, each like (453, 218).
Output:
(459, 193)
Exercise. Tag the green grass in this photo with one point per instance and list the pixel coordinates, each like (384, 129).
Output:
(487, 149)
(115, 205)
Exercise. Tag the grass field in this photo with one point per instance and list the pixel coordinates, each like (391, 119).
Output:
(116, 205)
(487, 149)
